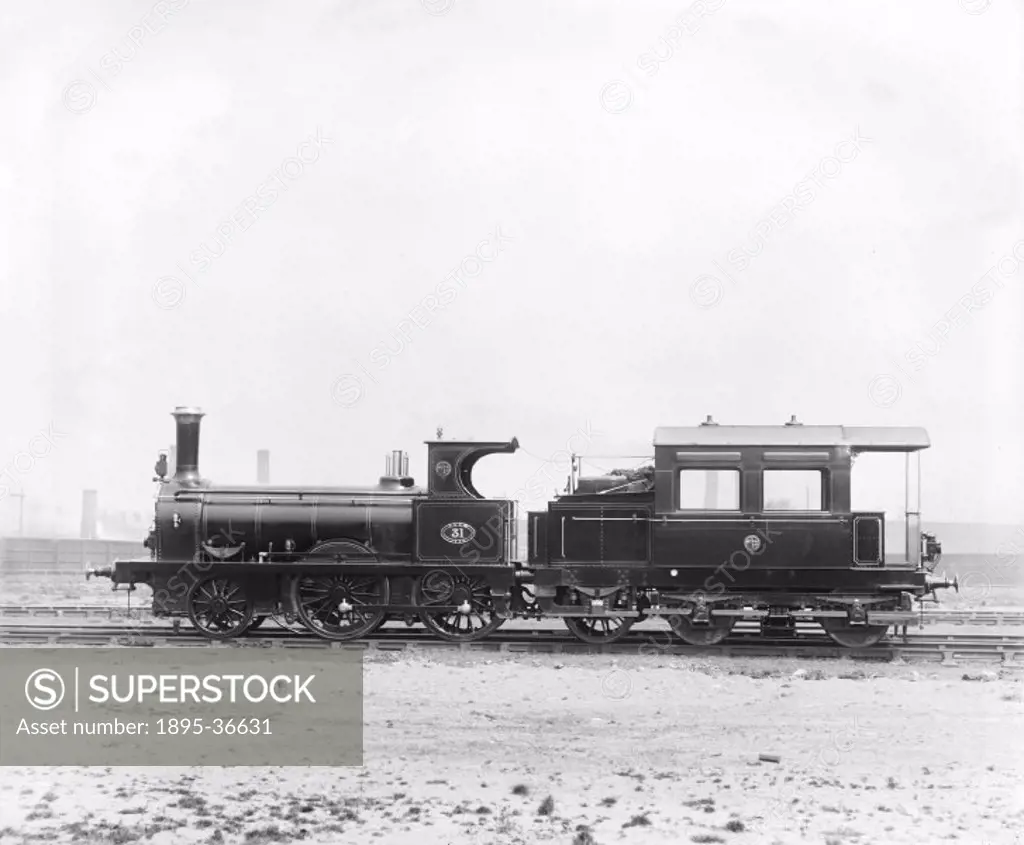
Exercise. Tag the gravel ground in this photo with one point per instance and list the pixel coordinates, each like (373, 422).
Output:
(590, 749)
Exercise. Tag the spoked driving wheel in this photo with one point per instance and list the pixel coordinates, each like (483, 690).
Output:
(341, 606)
(219, 608)
(691, 633)
(473, 617)
(597, 630)
(842, 632)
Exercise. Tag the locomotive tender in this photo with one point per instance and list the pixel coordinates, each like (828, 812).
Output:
(701, 538)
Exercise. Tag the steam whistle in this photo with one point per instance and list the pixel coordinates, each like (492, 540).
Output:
(160, 467)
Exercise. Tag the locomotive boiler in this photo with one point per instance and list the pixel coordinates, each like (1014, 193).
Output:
(727, 523)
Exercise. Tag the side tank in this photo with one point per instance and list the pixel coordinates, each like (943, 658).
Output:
(197, 521)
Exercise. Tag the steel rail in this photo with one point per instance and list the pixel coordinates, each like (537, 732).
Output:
(949, 650)
(86, 611)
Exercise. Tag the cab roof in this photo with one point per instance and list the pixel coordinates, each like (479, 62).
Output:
(858, 438)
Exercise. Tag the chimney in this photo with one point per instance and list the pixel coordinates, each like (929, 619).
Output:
(263, 466)
(90, 509)
(186, 471)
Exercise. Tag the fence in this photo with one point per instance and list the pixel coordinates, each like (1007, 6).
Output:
(32, 556)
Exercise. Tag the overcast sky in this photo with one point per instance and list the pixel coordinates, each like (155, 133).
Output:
(654, 215)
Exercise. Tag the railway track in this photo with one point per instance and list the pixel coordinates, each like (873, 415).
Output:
(948, 650)
(929, 617)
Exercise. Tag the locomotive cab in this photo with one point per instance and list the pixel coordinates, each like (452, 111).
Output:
(456, 522)
(794, 481)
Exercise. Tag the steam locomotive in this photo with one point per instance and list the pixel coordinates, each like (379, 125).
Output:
(701, 538)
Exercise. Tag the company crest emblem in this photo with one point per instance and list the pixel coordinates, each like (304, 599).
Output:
(752, 543)
(443, 469)
(458, 533)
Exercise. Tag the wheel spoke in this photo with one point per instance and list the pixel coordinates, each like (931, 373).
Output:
(601, 630)
(853, 636)
(442, 588)
(219, 608)
(319, 604)
(713, 633)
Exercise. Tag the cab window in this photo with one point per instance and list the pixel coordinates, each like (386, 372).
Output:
(793, 490)
(709, 490)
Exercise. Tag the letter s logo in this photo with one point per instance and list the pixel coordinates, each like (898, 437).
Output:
(44, 689)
